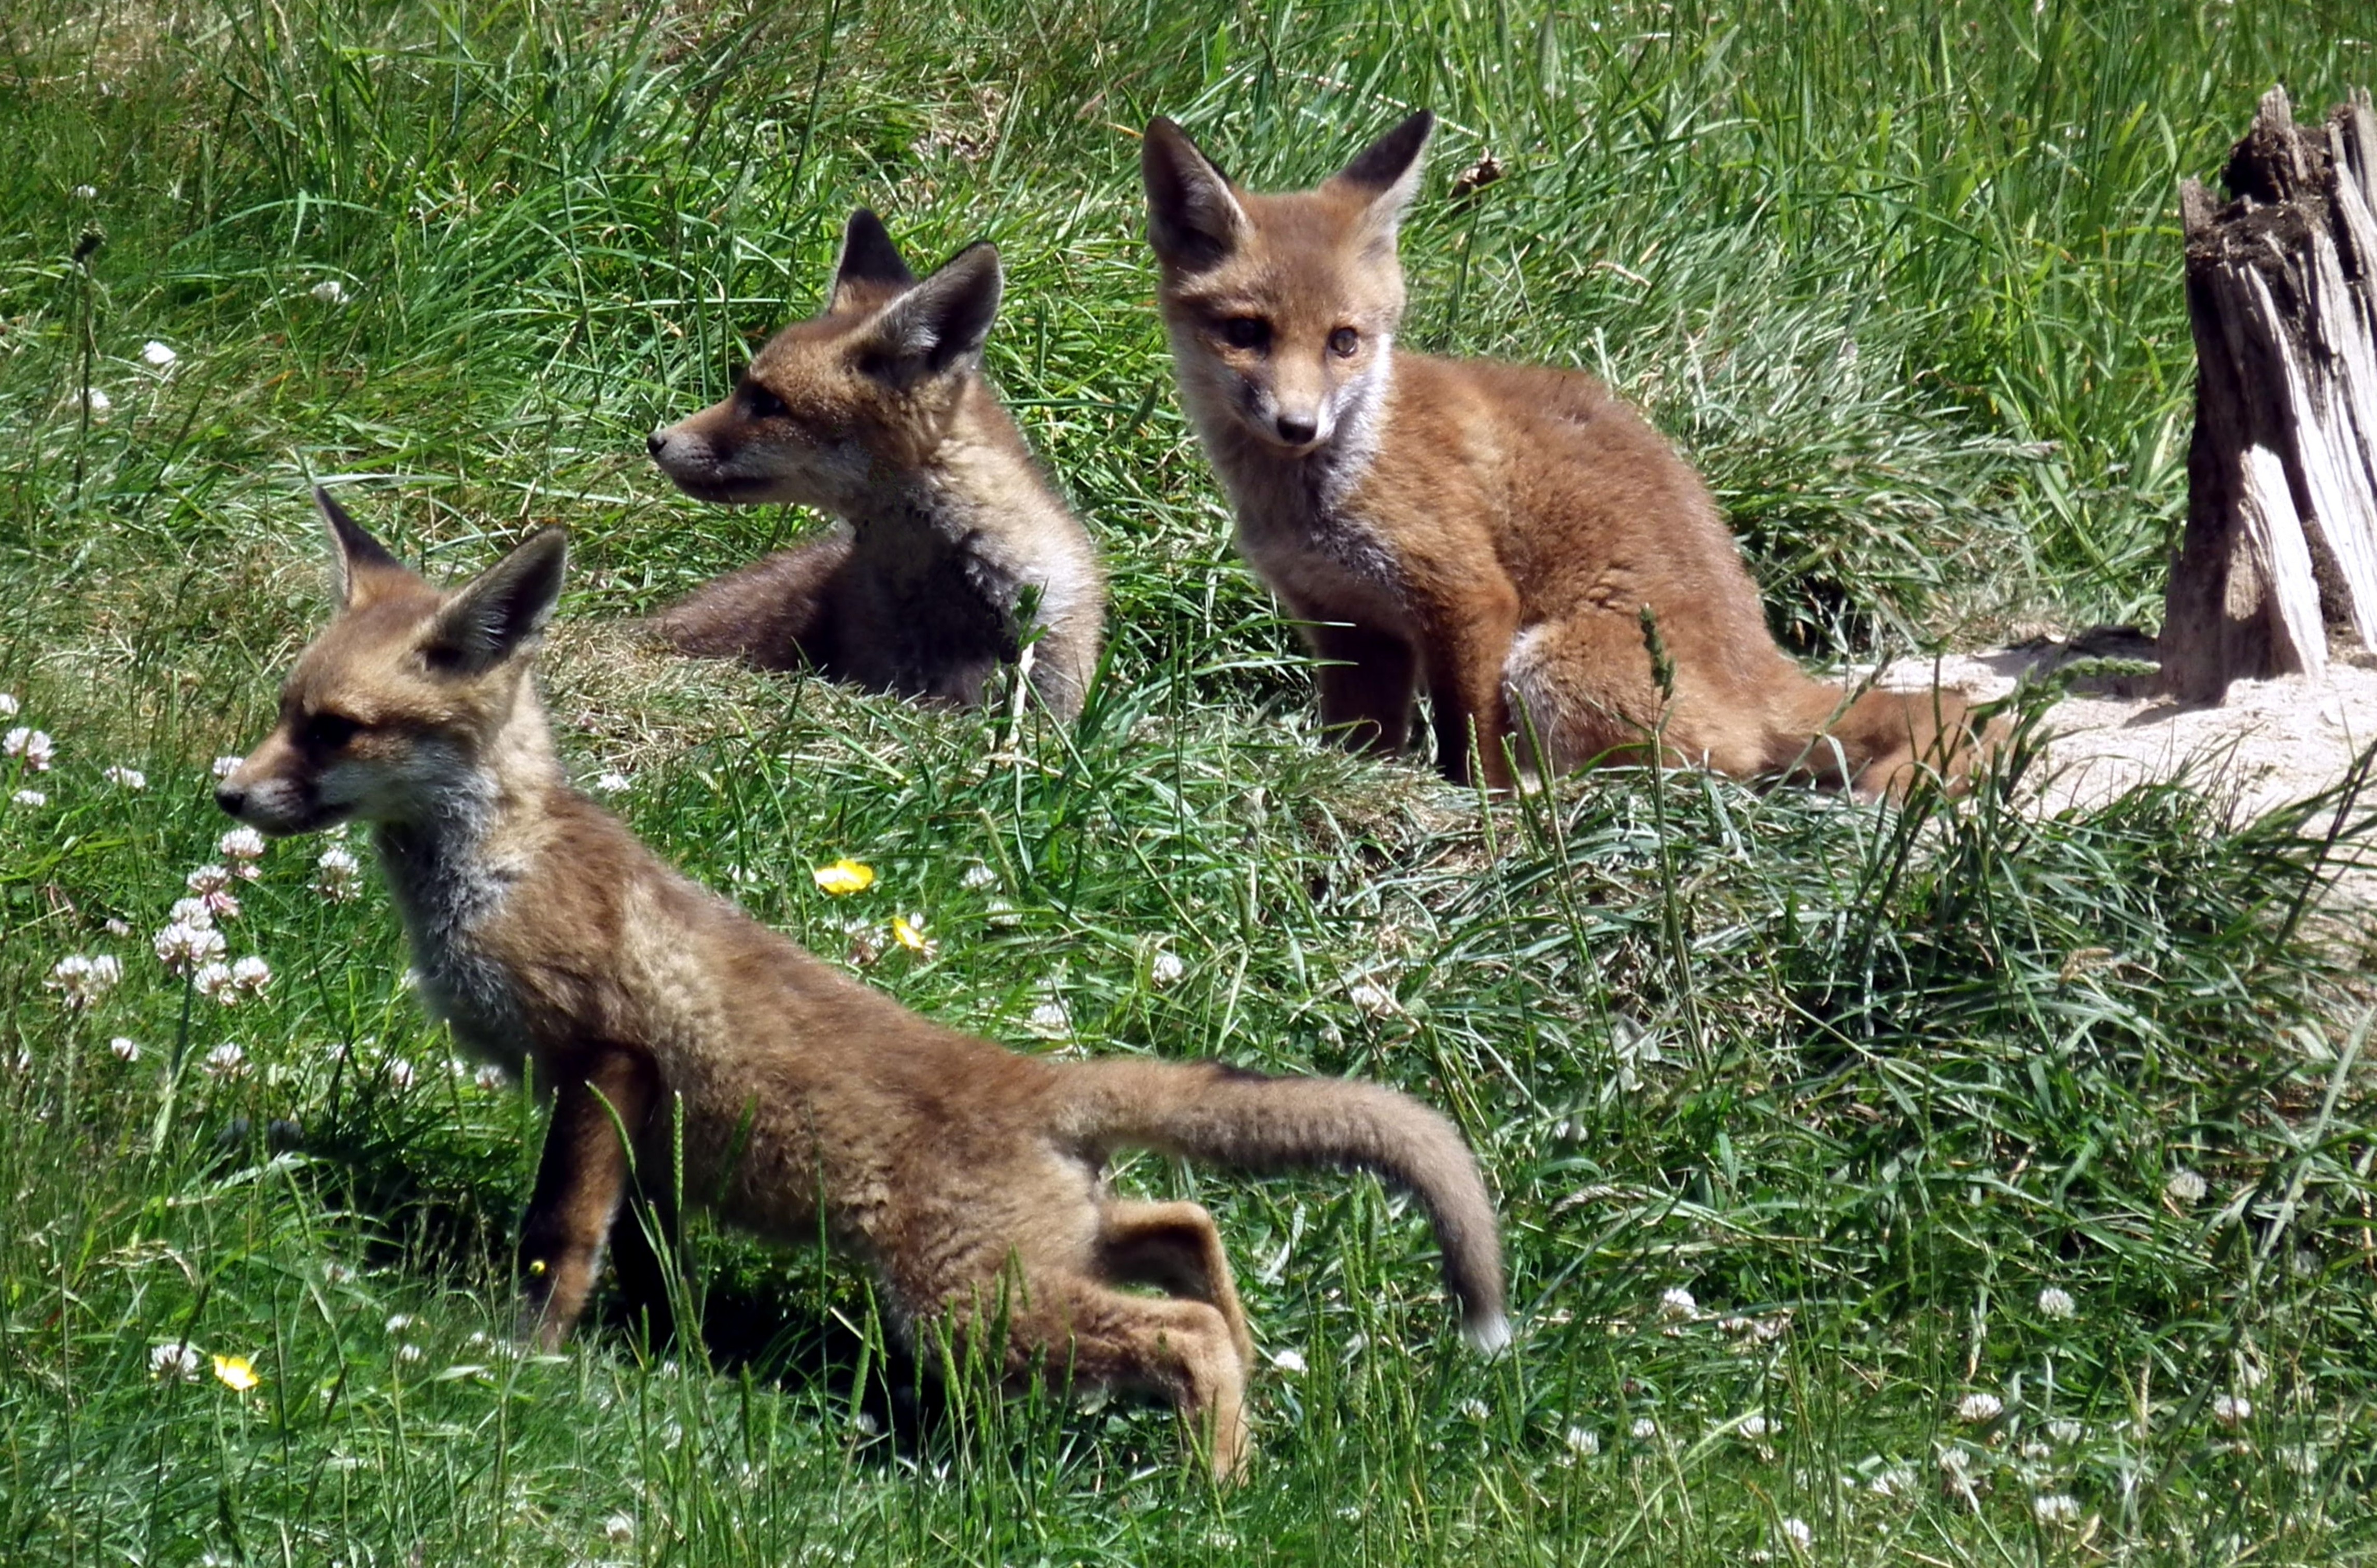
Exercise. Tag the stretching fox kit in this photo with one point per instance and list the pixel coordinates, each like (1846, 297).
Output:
(877, 411)
(1491, 532)
(545, 933)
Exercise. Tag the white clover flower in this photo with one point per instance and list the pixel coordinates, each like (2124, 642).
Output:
(1165, 967)
(224, 766)
(126, 1048)
(490, 1077)
(2036, 1448)
(618, 1529)
(97, 401)
(34, 746)
(400, 1072)
(199, 913)
(2185, 1188)
(1756, 1426)
(2065, 1430)
(1979, 1408)
(31, 798)
(215, 981)
(398, 1323)
(161, 355)
(1477, 1409)
(208, 879)
(2055, 1508)
(334, 873)
(408, 978)
(79, 981)
(1582, 1442)
(8, 705)
(1677, 1303)
(176, 1361)
(1645, 1428)
(330, 292)
(1896, 1481)
(130, 779)
(978, 876)
(410, 1353)
(1371, 998)
(2301, 1458)
(336, 1273)
(1288, 1360)
(2231, 1409)
(226, 1061)
(2056, 1302)
(114, 927)
(240, 844)
(1797, 1532)
(1051, 1018)
(613, 784)
(184, 948)
(251, 975)
(86, 193)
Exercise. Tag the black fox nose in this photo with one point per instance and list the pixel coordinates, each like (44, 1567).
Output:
(656, 442)
(230, 797)
(1295, 432)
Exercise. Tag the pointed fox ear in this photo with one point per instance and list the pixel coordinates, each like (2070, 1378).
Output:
(503, 609)
(870, 270)
(366, 569)
(1387, 175)
(1193, 217)
(938, 325)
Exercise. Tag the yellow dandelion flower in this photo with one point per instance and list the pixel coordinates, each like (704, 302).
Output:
(909, 931)
(845, 875)
(236, 1372)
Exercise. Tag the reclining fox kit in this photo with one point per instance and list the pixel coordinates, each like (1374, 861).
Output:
(968, 1178)
(1490, 533)
(952, 550)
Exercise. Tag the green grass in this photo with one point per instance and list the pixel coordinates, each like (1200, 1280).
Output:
(1903, 279)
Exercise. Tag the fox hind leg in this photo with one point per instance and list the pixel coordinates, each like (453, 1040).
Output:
(1175, 1247)
(1181, 1349)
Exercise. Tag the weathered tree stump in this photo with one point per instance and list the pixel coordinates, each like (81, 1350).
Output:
(2278, 565)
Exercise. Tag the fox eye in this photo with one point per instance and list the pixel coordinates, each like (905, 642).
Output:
(1343, 342)
(761, 404)
(1245, 331)
(327, 731)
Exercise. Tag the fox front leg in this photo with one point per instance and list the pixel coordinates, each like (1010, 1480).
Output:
(599, 1116)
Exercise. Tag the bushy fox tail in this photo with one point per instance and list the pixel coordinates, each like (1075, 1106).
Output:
(1882, 741)
(776, 613)
(1252, 1122)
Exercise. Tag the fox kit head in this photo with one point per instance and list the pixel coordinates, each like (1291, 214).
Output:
(405, 697)
(874, 380)
(1282, 308)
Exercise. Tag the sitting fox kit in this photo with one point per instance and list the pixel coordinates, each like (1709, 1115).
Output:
(967, 1177)
(1491, 533)
(952, 546)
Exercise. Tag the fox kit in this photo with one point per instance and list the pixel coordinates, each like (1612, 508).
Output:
(1491, 533)
(662, 1017)
(952, 546)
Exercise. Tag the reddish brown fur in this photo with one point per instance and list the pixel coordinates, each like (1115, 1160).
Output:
(877, 411)
(1490, 533)
(545, 933)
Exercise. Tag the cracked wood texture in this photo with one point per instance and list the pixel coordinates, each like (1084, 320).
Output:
(2277, 569)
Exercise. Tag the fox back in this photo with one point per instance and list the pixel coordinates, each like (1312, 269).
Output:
(953, 553)
(1491, 534)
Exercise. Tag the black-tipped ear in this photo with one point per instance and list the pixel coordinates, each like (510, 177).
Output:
(1387, 173)
(1389, 160)
(504, 608)
(938, 325)
(1193, 220)
(870, 267)
(363, 562)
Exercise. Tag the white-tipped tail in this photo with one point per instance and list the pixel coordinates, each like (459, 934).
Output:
(1488, 1336)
